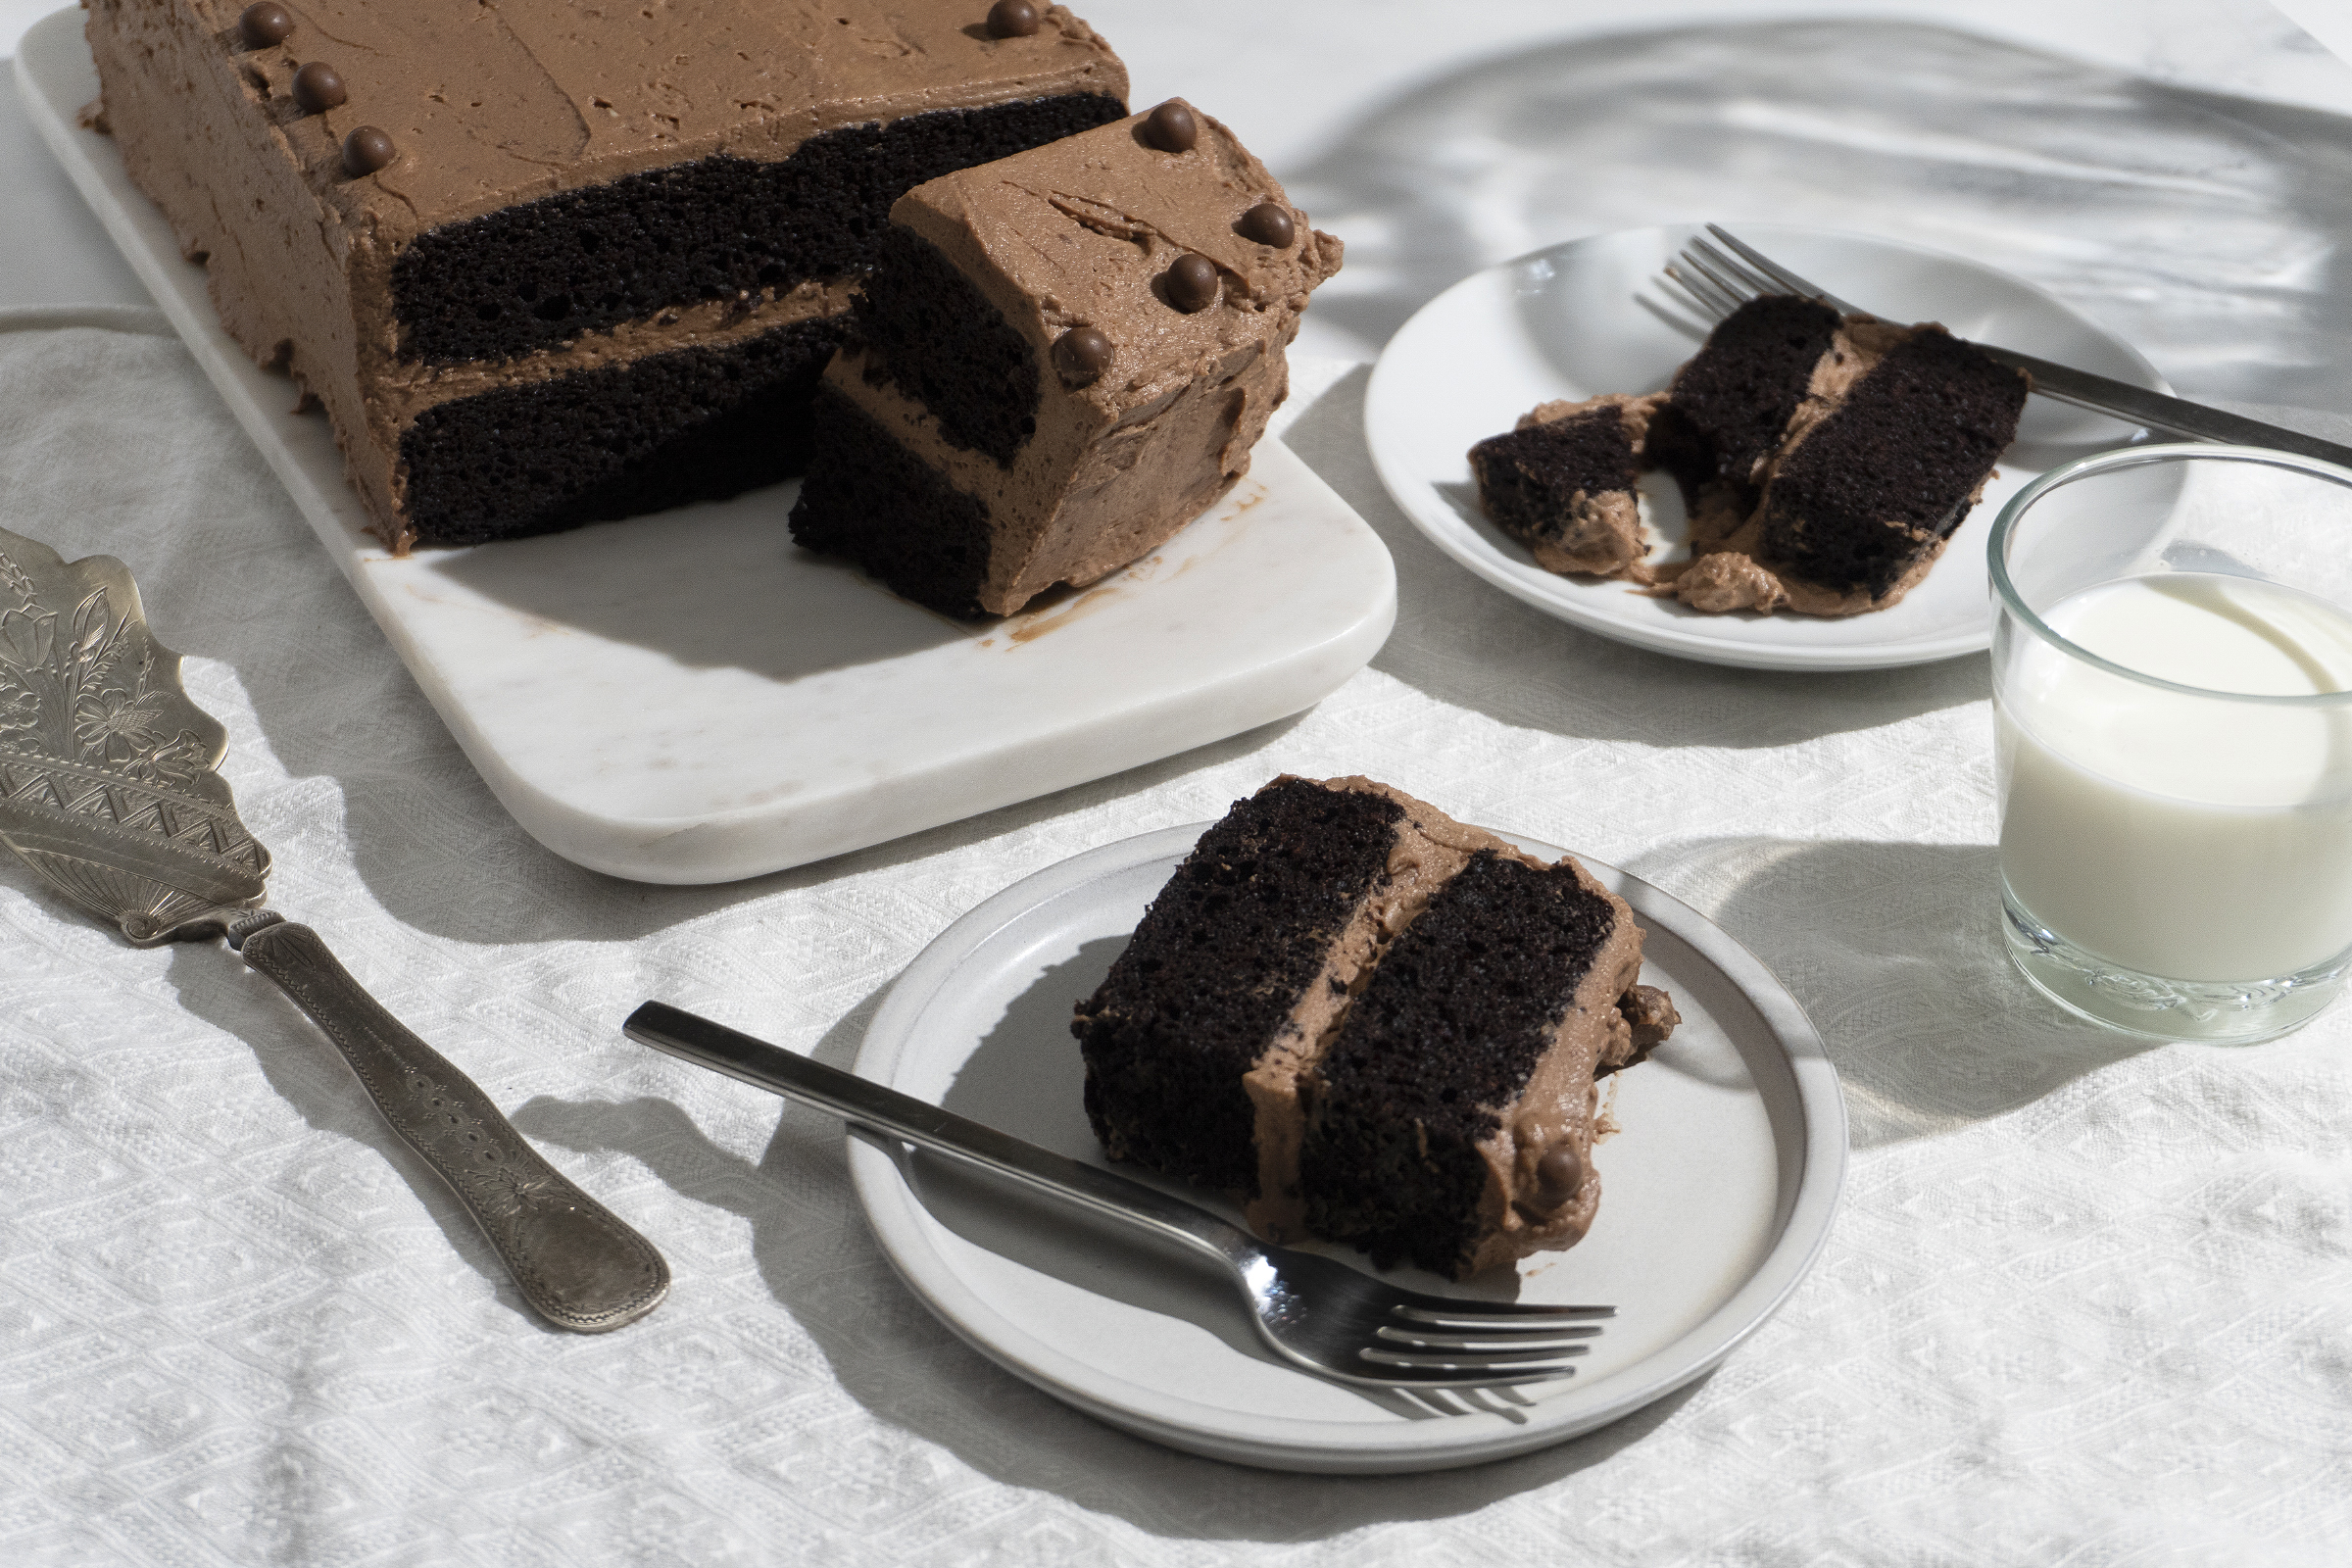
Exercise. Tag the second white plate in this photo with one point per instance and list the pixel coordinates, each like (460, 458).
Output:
(1592, 317)
(1716, 1197)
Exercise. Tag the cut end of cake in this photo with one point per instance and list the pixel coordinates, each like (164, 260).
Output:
(1083, 341)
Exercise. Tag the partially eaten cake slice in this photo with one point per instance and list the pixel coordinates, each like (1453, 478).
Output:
(1824, 460)
(1063, 358)
(1372, 1023)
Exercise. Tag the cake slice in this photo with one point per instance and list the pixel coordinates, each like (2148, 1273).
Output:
(545, 262)
(1367, 1021)
(1823, 461)
(1063, 357)
(1827, 485)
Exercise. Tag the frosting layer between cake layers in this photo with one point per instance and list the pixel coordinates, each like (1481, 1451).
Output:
(569, 190)
(1009, 460)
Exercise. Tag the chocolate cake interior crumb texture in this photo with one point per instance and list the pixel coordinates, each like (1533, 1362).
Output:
(1730, 402)
(876, 504)
(945, 344)
(1167, 1037)
(1904, 453)
(696, 423)
(541, 273)
(1459, 1013)
(1529, 479)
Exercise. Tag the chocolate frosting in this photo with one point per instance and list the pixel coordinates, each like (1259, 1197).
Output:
(503, 103)
(489, 105)
(1078, 233)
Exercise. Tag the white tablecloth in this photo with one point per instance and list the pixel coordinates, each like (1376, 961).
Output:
(2088, 1303)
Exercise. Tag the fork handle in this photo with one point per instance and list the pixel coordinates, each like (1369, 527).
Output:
(2139, 405)
(577, 1265)
(868, 1105)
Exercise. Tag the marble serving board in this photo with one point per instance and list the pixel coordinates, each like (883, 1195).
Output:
(690, 698)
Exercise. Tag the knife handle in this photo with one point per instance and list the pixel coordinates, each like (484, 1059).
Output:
(578, 1265)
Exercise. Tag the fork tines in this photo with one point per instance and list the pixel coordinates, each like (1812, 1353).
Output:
(1490, 1342)
(1722, 277)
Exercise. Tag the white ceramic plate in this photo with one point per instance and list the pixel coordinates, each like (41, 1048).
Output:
(1716, 1195)
(1592, 317)
(688, 698)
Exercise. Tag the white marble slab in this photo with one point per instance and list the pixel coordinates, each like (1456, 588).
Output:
(690, 698)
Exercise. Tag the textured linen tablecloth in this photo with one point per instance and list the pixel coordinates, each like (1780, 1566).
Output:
(2087, 1302)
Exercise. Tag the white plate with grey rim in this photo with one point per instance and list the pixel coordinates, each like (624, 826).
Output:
(1716, 1198)
(1591, 316)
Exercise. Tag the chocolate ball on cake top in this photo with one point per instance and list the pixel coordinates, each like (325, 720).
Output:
(265, 23)
(318, 87)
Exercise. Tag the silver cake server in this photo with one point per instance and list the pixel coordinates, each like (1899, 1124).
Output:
(107, 790)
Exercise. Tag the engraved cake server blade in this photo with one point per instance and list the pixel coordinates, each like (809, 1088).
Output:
(107, 790)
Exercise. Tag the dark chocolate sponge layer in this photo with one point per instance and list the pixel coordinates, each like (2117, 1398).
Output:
(1528, 479)
(1731, 402)
(1459, 1012)
(540, 273)
(1892, 470)
(1170, 1034)
(696, 423)
(948, 348)
(875, 503)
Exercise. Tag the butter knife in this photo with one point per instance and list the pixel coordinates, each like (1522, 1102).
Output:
(107, 789)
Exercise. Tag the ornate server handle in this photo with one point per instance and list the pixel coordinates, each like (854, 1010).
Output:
(577, 1263)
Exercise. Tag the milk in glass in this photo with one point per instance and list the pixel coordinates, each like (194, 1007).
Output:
(2193, 837)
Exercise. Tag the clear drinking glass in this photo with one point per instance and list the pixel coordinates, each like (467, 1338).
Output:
(2171, 667)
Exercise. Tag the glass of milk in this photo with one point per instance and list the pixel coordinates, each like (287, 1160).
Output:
(2173, 703)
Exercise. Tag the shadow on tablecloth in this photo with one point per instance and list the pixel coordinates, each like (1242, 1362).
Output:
(2207, 229)
(1894, 950)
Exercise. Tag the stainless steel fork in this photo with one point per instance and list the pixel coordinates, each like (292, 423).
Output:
(1312, 1310)
(1720, 279)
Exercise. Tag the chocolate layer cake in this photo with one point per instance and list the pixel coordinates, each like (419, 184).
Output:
(1563, 484)
(545, 262)
(1823, 461)
(1369, 1022)
(1063, 357)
